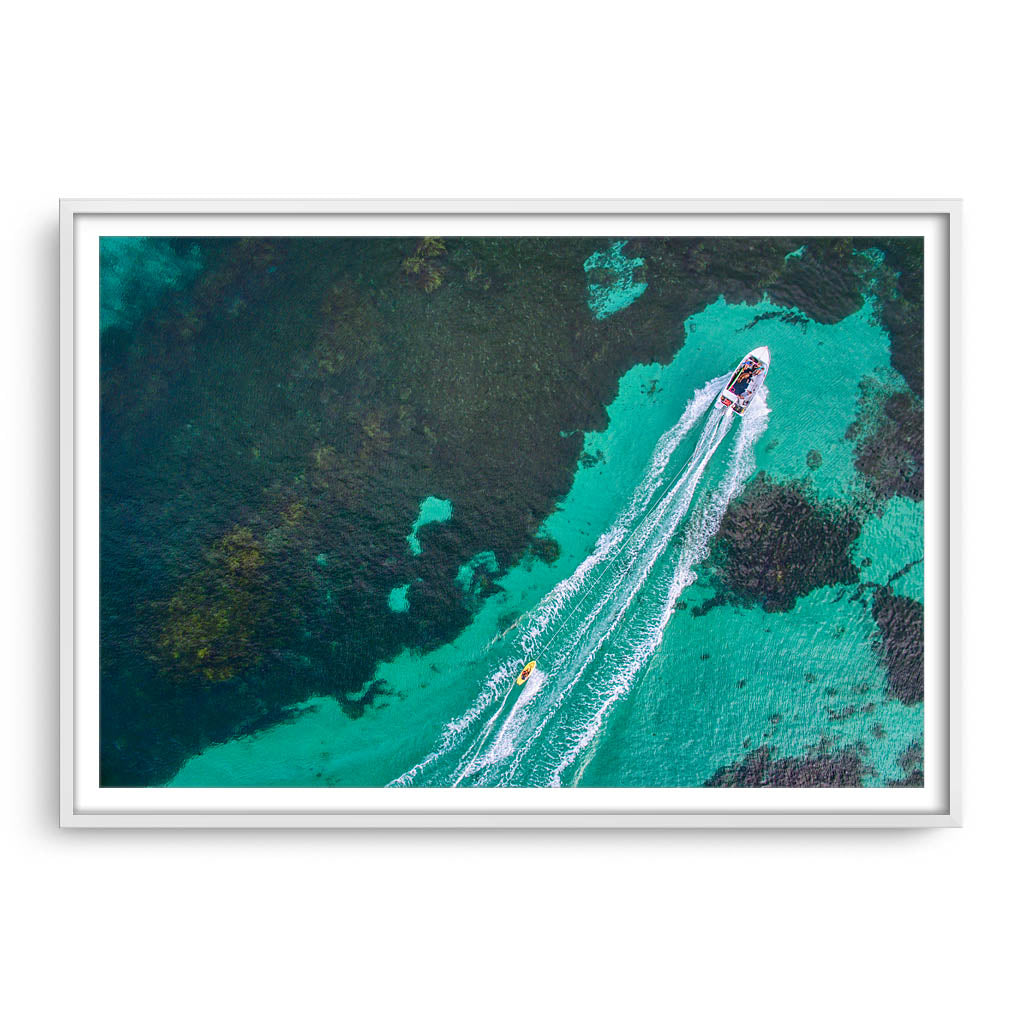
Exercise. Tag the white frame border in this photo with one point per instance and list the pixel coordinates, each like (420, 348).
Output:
(71, 816)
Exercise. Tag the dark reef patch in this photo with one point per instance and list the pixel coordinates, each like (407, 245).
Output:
(547, 549)
(898, 285)
(786, 316)
(356, 707)
(842, 714)
(825, 281)
(912, 766)
(889, 442)
(900, 622)
(778, 542)
(819, 769)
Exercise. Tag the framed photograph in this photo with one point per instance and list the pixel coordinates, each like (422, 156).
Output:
(497, 514)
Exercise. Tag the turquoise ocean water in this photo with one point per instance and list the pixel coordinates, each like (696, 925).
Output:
(632, 688)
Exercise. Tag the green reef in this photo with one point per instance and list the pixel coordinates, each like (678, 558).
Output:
(425, 266)
(614, 281)
(274, 410)
(213, 621)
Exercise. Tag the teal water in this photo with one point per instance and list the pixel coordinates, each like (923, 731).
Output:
(632, 689)
(432, 510)
(612, 282)
(468, 575)
(138, 272)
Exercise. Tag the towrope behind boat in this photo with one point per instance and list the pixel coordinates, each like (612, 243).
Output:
(737, 395)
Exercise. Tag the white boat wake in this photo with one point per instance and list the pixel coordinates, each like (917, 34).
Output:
(593, 633)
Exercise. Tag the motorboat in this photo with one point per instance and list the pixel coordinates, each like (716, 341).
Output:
(746, 381)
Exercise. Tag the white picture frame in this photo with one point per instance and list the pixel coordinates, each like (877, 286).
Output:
(84, 804)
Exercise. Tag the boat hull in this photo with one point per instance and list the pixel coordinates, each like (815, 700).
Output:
(746, 381)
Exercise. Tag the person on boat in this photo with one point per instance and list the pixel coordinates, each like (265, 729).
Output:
(743, 378)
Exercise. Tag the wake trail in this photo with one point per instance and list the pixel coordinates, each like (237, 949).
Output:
(608, 617)
(633, 649)
(608, 543)
(602, 624)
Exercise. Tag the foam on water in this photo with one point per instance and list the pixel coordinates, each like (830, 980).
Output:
(694, 548)
(608, 543)
(536, 624)
(595, 629)
(717, 685)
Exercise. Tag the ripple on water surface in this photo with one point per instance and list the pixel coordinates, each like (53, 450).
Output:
(717, 686)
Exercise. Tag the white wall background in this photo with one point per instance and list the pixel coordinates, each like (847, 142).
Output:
(877, 99)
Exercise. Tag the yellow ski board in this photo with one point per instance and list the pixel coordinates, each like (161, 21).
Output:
(525, 674)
